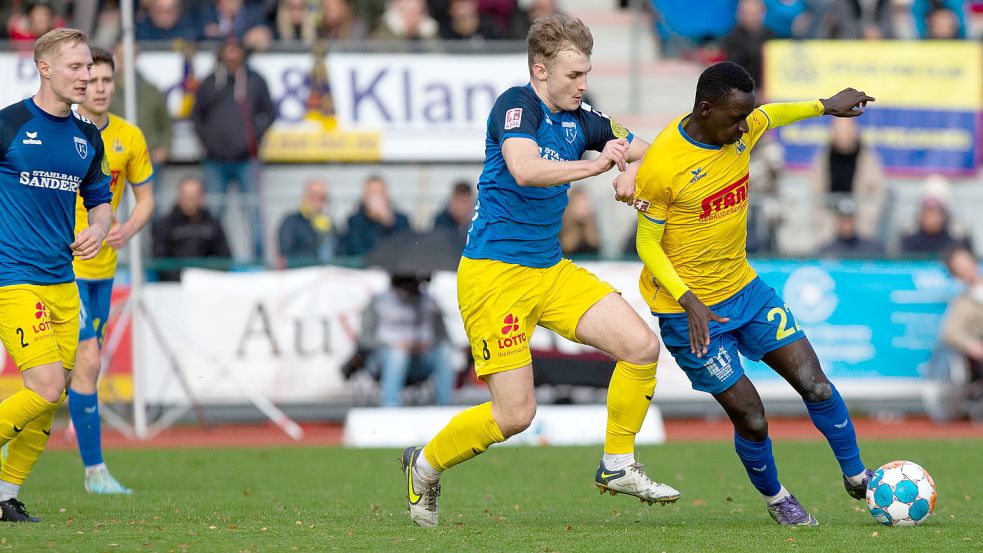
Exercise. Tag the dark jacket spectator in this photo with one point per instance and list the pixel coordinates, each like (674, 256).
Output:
(935, 232)
(464, 21)
(374, 219)
(847, 243)
(233, 108)
(188, 232)
(307, 236)
(456, 216)
(225, 19)
(744, 44)
(166, 20)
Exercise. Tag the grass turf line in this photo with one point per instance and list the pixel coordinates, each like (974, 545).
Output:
(509, 499)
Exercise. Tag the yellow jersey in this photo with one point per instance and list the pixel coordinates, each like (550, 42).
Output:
(700, 193)
(129, 161)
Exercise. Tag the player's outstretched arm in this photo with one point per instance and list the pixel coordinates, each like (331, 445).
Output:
(529, 169)
(624, 182)
(88, 242)
(848, 102)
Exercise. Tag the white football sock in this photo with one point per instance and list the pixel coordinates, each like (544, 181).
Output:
(782, 494)
(424, 471)
(8, 490)
(857, 479)
(618, 461)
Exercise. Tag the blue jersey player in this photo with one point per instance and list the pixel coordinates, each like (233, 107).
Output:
(48, 155)
(512, 276)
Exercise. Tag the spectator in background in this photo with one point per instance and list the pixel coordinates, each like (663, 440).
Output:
(874, 17)
(152, 115)
(936, 231)
(578, 235)
(942, 24)
(846, 242)
(780, 15)
(406, 20)
(338, 21)
(376, 218)
(963, 326)
(745, 42)
(166, 20)
(231, 18)
(38, 17)
(943, 14)
(307, 236)
(521, 19)
(233, 110)
(456, 216)
(846, 168)
(403, 332)
(188, 232)
(296, 21)
(464, 21)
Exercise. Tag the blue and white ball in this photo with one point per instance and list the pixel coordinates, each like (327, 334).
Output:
(901, 493)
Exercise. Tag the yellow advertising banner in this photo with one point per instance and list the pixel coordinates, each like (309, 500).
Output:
(312, 143)
(920, 74)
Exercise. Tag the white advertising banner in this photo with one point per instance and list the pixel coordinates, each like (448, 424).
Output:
(423, 106)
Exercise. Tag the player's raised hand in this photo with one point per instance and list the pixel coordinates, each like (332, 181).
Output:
(615, 152)
(698, 316)
(87, 244)
(624, 183)
(848, 102)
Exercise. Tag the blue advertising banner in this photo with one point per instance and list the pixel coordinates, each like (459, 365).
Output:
(865, 319)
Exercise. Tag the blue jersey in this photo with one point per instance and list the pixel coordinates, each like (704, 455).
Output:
(45, 162)
(521, 224)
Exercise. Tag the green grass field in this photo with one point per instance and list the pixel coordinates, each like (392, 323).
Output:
(510, 499)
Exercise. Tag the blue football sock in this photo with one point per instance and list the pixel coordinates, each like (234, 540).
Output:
(833, 420)
(84, 409)
(759, 464)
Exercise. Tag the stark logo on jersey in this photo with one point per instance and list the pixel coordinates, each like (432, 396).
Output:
(725, 201)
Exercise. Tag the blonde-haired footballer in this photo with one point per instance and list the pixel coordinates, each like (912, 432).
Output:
(49, 156)
(512, 275)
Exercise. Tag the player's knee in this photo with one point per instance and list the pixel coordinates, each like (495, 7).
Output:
(816, 392)
(755, 427)
(516, 419)
(647, 351)
(50, 388)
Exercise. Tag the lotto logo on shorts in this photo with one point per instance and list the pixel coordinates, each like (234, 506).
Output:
(41, 314)
(513, 118)
(42, 311)
(512, 336)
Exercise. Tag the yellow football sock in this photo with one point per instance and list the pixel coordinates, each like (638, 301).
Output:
(18, 410)
(629, 397)
(469, 433)
(25, 450)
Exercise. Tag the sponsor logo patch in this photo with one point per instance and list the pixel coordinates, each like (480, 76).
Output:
(513, 118)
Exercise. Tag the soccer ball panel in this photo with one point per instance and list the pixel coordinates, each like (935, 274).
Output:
(913, 471)
(892, 477)
(880, 515)
(919, 510)
(898, 511)
(883, 496)
(925, 489)
(906, 491)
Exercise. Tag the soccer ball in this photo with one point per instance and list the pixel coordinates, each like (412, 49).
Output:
(901, 493)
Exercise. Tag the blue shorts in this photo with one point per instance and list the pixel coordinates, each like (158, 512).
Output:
(760, 322)
(96, 296)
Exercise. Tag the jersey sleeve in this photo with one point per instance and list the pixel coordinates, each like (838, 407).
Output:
(95, 186)
(770, 116)
(139, 170)
(653, 194)
(601, 128)
(515, 114)
(757, 124)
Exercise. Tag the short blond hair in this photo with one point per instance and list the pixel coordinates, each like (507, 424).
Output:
(549, 35)
(52, 41)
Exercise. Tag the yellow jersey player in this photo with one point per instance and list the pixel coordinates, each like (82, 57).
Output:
(49, 156)
(691, 197)
(512, 276)
(129, 161)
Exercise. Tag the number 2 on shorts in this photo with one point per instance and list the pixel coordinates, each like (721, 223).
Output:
(784, 331)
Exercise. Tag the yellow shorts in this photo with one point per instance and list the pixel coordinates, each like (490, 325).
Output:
(502, 303)
(40, 324)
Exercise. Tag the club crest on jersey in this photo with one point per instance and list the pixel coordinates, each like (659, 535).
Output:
(82, 147)
(570, 131)
(741, 146)
(117, 146)
(513, 118)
